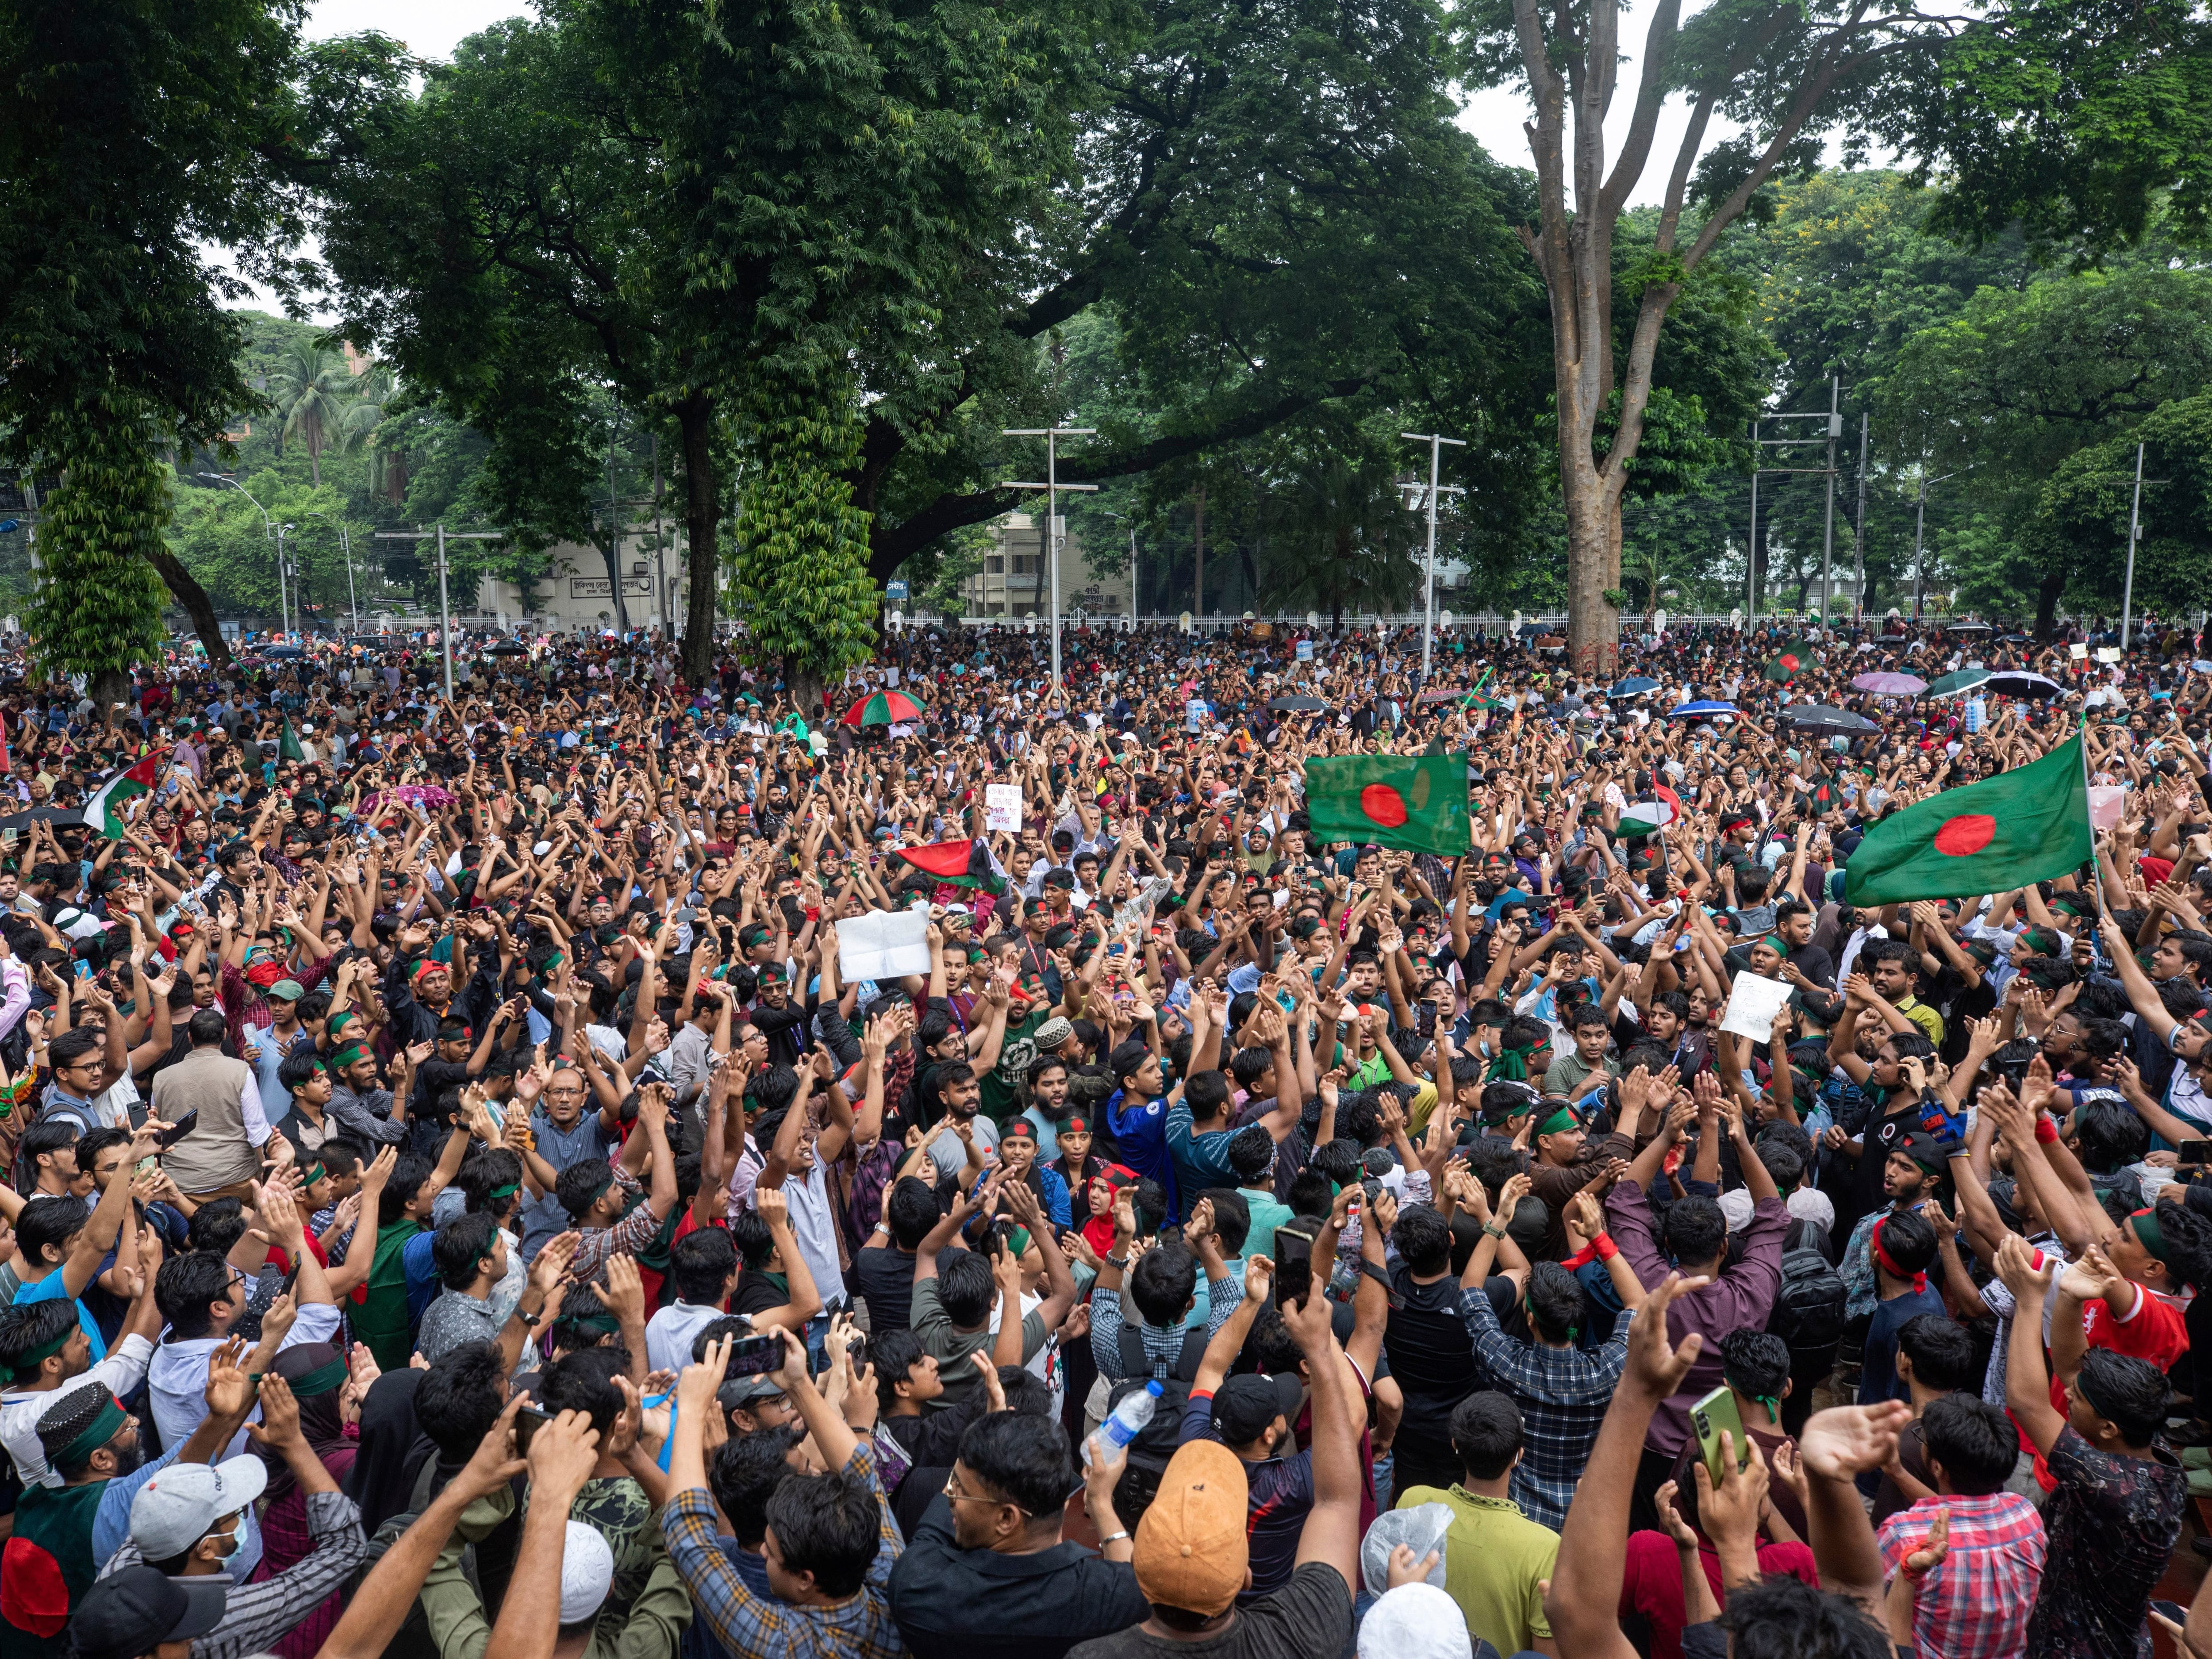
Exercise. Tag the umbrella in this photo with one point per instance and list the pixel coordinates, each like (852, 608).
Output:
(1890, 685)
(285, 650)
(884, 708)
(1967, 627)
(510, 648)
(1820, 717)
(1690, 711)
(1299, 705)
(42, 814)
(1965, 680)
(2019, 683)
(1635, 686)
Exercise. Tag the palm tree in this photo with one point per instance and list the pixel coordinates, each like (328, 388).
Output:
(1338, 535)
(311, 390)
(387, 466)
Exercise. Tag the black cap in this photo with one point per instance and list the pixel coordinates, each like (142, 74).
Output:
(1246, 1405)
(127, 1614)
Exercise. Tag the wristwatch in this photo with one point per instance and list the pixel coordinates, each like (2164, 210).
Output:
(1112, 1538)
(1493, 1229)
(529, 1320)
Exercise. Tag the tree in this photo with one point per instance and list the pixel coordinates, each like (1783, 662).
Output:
(1785, 72)
(2019, 382)
(2081, 523)
(314, 393)
(136, 137)
(1337, 535)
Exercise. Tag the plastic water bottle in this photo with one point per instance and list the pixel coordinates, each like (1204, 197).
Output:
(1129, 1419)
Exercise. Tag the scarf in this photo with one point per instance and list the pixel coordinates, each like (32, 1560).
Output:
(1889, 1266)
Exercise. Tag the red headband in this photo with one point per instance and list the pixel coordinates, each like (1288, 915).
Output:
(425, 966)
(1889, 1264)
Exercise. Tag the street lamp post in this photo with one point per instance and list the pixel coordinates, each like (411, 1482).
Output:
(1049, 541)
(268, 527)
(1132, 523)
(1436, 443)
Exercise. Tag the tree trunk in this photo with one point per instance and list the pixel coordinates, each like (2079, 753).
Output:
(2046, 604)
(703, 520)
(109, 687)
(1593, 624)
(185, 588)
(806, 687)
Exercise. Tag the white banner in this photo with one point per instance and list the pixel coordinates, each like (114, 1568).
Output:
(1002, 805)
(1753, 1003)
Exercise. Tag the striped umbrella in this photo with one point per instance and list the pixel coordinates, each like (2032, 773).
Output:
(884, 708)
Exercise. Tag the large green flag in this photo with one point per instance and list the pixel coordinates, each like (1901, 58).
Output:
(1415, 801)
(288, 746)
(2020, 826)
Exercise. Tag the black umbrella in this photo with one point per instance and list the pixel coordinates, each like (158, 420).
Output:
(1819, 716)
(285, 650)
(42, 814)
(1298, 706)
(510, 648)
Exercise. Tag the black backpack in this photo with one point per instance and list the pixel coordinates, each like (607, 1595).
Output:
(1809, 1306)
(1166, 1427)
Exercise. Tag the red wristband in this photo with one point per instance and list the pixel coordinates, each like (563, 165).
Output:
(1588, 1253)
(1606, 1249)
(2046, 1132)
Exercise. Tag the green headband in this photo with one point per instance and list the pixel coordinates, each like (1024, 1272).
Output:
(38, 1357)
(347, 1055)
(312, 1174)
(1511, 1063)
(2145, 1222)
(104, 1428)
(1558, 1122)
(1528, 1307)
(321, 1380)
(1773, 1404)
(507, 1191)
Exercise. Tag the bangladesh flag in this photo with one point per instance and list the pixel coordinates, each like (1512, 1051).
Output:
(288, 746)
(1418, 802)
(2020, 826)
(1646, 818)
(106, 807)
(1793, 656)
(962, 863)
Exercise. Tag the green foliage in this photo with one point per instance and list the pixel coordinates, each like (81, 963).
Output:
(2082, 120)
(2080, 522)
(97, 607)
(797, 576)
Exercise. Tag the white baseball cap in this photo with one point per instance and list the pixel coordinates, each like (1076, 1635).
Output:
(178, 1507)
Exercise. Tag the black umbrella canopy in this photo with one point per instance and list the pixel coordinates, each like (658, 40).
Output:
(42, 814)
(1821, 716)
(1298, 705)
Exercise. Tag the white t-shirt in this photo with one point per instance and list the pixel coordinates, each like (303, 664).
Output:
(122, 1370)
(668, 1334)
(815, 1229)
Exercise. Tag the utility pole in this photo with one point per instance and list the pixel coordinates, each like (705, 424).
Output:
(1919, 525)
(445, 607)
(659, 550)
(1198, 574)
(1750, 547)
(1132, 523)
(1436, 442)
(353, 600)
(1050, 541)
(284, 605)
(1828, 526)
(2135, 534)
(1858, 534)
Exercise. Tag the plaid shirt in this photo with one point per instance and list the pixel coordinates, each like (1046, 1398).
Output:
(753, 1628)
(1563, 1393)
(1976, 1604)
(259, 1615)
(595, 1248)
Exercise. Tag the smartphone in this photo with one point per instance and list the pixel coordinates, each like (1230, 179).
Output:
(755, 1356)
(2172, 1610)
(2194, 1151)
(525, 1428)
(183, 1127)
(1709, 1417)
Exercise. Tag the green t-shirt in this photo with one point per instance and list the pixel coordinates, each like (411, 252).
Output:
(1001, 1085)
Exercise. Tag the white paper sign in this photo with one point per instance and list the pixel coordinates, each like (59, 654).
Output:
(1002, 805)
(1753, 1003)
(2107, 803)
(2078, 652)
(883, 946)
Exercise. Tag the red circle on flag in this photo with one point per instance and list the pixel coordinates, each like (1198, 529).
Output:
(1788, 660)
(1382, 804)
(1969, 832)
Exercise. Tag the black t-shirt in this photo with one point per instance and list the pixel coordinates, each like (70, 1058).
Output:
(1311, 1615)
(883, 1277)
(1883, 1134)
(759, 1291)
(1430, 1355)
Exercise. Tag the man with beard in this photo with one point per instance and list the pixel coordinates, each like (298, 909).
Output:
(62, 1533)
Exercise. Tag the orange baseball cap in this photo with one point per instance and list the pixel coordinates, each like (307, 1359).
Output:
(1191, 1548)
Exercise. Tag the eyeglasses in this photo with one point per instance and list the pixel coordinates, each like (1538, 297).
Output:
(959, 1496)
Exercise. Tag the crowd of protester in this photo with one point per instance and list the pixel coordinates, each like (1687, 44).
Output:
(459, 1205)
